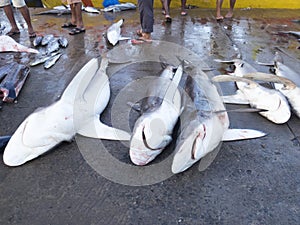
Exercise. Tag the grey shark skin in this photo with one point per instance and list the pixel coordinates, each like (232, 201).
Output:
(204, 122)
(49, 126)
(153, 129)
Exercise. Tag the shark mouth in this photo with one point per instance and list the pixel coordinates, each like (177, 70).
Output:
(194, 146)
(146, 144)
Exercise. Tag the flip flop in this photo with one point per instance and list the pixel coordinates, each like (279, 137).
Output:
(168, 19)
(219, 19)
(139, 33)
(68, 25)
(32, 35)
(183, 13)
(76, 30)
(12, 33)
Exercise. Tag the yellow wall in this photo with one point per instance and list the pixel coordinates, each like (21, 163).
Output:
(287, 4)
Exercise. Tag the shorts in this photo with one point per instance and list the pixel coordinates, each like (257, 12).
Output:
(69, 2)
(16, 3)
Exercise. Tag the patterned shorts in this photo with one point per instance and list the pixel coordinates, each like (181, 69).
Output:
(16, 3)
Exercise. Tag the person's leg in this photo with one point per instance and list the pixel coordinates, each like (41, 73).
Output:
(78, 15)
(230, 12)
(166, 4)
(10, 16)
(146, 17)
(183, 7)
(73, 14)
(26, 15)
(218, 10)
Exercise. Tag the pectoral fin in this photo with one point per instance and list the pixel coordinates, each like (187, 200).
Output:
(242, 134)
(96, 129)
(238, 98)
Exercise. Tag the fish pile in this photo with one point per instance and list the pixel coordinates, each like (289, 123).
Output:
(12, 79)
(65, 9)
(49, 47)
(204, 118)
(274, 103)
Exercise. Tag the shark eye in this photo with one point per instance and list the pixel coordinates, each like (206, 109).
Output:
(242, 64)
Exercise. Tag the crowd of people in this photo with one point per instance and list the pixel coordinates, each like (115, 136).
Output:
(76, 21)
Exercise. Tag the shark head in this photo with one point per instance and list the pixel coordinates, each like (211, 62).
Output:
(38, 133)
(190, 146)
(148, 140)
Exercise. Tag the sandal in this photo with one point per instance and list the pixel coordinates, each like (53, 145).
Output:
(68, 25)
(76, 31)
(32, 35)
(183, 13)
(139, 32)
(168, 19)
(12, 33)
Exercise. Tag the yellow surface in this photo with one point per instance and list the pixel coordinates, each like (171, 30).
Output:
(271, 4)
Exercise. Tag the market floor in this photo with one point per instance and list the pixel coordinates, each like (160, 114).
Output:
(249, 182)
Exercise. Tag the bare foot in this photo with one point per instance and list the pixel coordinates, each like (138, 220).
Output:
(219, 18)
(229, 15)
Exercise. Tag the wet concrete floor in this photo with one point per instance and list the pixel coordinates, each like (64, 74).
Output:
(249, 182)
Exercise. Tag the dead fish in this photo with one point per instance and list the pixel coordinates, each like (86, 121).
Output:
(152, 131)
(119, 7)
(52, 46)
(51, 61)
(274, 103)
(204, 122)
(4, 70)
(90, 9)
(63, 42)
(41, 58)
(114, 33)
(37, 41)
(8, 44)
(11, 85)
(46, 39)
(46, 128)
(254, 94)
(295, 33)
(57, 12)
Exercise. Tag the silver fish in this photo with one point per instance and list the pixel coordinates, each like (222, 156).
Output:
(41, 58)
(51, 61)
(119, 7)
(52, 46)
(90, 9)
(63, 42)
(46, 39)
(37, 41)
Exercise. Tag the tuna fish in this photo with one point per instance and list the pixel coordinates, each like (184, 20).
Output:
(13, 81)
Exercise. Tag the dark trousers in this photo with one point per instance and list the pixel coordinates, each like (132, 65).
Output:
(146, 15)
